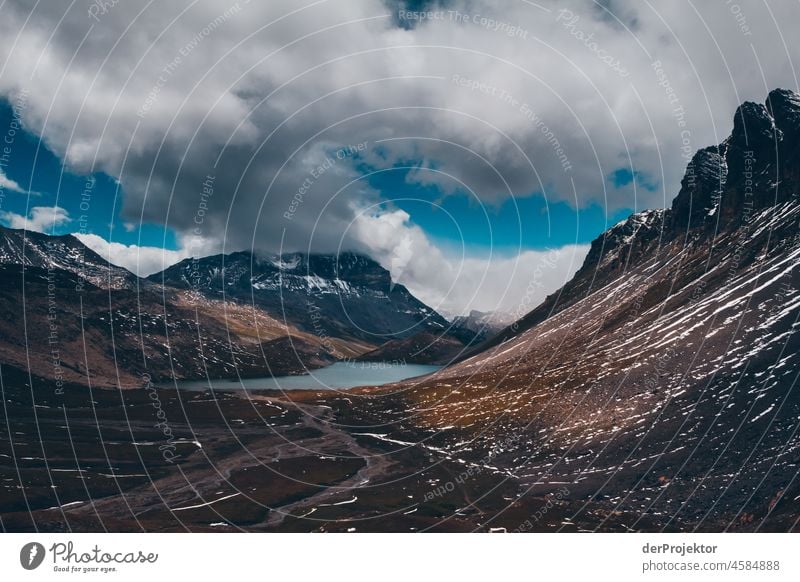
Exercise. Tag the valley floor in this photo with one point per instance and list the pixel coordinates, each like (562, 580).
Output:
(165, 460)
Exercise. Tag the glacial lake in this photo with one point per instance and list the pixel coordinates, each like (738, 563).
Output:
(338, 376)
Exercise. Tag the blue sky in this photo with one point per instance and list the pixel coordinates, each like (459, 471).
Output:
(527, 221)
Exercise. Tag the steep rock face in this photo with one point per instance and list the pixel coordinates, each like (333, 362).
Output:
(761, 156)
(346, 295)
(785, 108)
(701, 190)
(627, 239)
(753, 127)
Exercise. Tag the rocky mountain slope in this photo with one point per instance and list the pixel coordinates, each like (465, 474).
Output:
(65, 329)
(660, 384)
(421, 348)
(478, 326)
(346, 295)
(71, 316)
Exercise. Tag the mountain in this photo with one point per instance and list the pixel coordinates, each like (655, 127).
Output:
(345, 296)
(62, 253)
(83, 319)
(421, 348)
(726, 188)
(63, 328)
(659, 384)
(478, 326)
(72, 317)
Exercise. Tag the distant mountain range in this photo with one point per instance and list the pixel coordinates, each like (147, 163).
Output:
(481, 324)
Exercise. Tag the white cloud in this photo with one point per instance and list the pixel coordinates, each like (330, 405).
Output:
(143, 260)
(40, 219)
(455, 284)
(7, 183)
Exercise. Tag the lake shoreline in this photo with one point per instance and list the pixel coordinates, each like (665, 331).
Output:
(338, 377)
